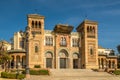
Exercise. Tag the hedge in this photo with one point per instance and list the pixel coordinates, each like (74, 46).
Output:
(38, 72)
(116, 72)
(37, 66)
(12, 75)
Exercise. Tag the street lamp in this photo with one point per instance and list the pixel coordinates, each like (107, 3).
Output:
(27, 54)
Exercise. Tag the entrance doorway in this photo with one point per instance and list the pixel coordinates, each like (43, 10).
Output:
(62, 62)
(75, 61)
(49, 60)
(63, 59)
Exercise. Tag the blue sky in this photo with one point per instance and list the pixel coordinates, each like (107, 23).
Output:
(73, 12)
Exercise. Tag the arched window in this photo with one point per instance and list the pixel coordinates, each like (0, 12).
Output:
(88, 29)
(32, 24)
(39, 24)
(91, 50)
(36, 49)
(93, 29)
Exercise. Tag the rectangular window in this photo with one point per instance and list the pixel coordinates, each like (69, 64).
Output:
(49, 41)
(21, 44)
(63, 41)
(75, 42)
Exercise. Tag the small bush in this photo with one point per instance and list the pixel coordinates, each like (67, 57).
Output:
(12, 75)
(21, 76)
(39, 72)
(34, 72)
(37, 66)
(44, 72)
(117, 72)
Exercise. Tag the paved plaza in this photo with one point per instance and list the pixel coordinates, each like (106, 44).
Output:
(74, 74)
(77, 74)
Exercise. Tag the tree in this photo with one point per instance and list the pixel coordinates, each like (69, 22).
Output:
(4, 56)
(112, 52)
(118, 48)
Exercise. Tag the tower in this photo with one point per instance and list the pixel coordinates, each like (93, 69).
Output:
(89, 44)
(35, 35)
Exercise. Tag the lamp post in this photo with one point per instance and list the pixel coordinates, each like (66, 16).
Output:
(27, 55)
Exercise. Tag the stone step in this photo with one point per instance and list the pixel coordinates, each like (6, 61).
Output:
(76, 72)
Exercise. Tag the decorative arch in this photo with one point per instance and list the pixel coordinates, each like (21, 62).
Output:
(75, 55)
(48, 54)
(50, 51)
(63, 53)
(63, 49)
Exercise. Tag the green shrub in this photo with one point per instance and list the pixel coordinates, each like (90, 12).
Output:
(12, 75)
(3, 74)
(34, 72)
(44, 72)
(37, 66)
(117, 72)
(39, 72)
(21, 76)
(23, 72)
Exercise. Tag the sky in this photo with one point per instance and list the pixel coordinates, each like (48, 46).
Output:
(13, 16)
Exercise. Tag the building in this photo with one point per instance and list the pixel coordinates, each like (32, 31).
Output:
(106, 58)
(5, 45)
(59, 48)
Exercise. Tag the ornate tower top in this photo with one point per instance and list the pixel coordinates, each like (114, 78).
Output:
(35, 16)
(86, 22)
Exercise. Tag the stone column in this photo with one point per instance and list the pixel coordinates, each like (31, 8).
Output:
(10, 64)
(100, 63)
(44, 61)
(111, 64)
(14, 61)
(71, 63)
(58, 63)
(52, 62)
(104, 64)
(79, 63)
(21, 62)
